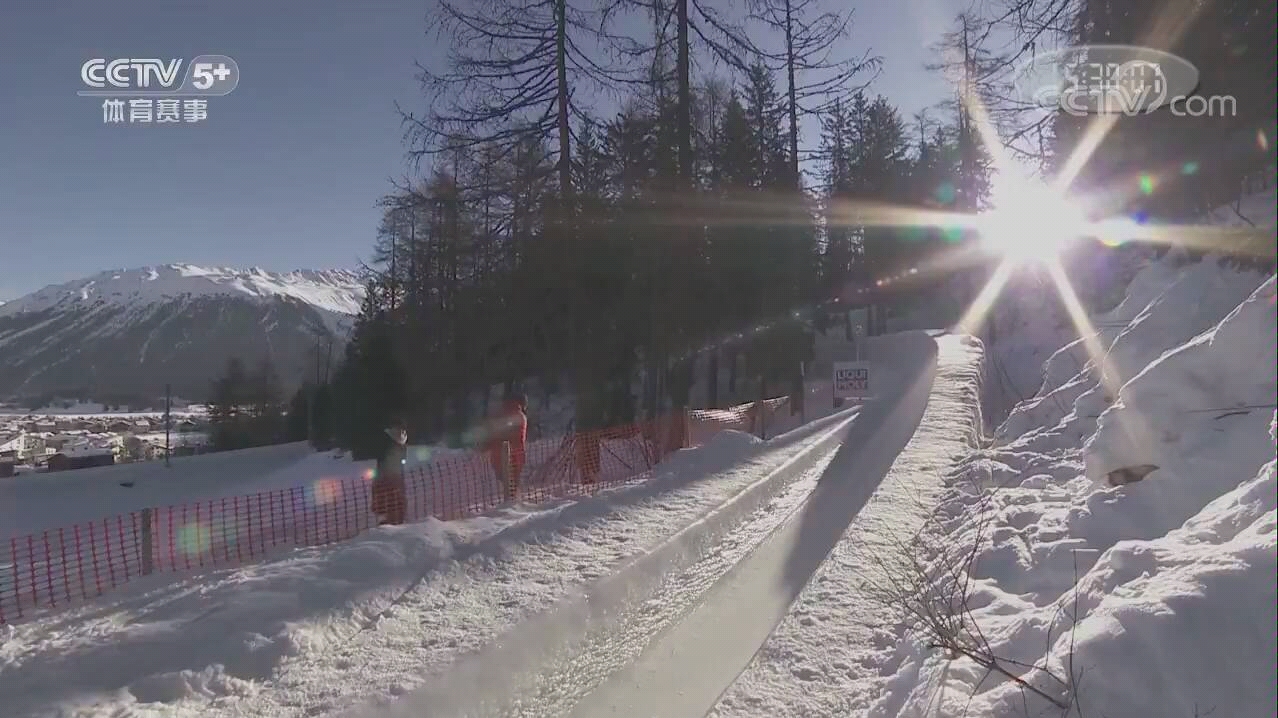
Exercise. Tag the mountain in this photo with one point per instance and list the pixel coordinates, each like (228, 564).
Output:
(126, 333)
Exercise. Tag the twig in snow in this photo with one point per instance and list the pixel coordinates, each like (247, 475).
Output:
(929, 587)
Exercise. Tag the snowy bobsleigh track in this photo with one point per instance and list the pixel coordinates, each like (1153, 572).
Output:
(667, 633)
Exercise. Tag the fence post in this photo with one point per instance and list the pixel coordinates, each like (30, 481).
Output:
(803, 393)
(763, 419)
(508, 481)
(148, 558)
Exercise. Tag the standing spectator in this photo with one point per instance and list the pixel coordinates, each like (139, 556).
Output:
(390, 496)
(509, 426)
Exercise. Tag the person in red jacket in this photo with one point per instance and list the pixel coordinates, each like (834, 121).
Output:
(389, 500)
(510, 425)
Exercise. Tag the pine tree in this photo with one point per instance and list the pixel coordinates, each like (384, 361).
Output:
(230, 398)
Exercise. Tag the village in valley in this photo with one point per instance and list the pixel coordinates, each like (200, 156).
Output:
(73, 436)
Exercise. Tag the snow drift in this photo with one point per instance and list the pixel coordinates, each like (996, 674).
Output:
(1153, 597)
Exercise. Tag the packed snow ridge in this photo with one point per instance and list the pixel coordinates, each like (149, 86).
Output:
(1118, 539)
(338, 291)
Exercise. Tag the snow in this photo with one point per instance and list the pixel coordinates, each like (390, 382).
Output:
(335, 291)
(368, 618)
(822, 657)
(1151, 598)
(94, 410)
(1259, 209)
(37, 501)
(1112, 545)
(1168, 303)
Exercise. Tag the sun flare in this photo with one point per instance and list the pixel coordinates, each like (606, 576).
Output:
(1031, 222)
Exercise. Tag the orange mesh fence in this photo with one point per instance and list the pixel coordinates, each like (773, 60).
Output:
(65, 565)
(757, 418)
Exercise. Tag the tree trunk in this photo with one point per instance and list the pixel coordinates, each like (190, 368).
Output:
(793, 93)
(712, 379)
(683, 64)
(561, 72)
(732, 373)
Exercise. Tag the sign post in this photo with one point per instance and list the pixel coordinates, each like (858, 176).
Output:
(851, 381)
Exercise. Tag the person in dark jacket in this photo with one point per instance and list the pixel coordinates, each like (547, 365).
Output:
(510, 425)
(390, 495)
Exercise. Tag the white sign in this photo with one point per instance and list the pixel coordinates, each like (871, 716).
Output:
(851, 380)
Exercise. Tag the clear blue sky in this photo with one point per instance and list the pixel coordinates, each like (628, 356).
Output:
(286, 170)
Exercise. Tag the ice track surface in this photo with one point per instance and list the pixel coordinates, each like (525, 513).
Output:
(668, 634)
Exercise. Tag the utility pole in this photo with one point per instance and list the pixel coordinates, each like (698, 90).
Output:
(168, 421)
(310, 403)
(394, 278)
(412, 257)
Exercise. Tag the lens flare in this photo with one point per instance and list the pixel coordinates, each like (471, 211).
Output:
(1031, 222)
(326, 492)
(193, 539)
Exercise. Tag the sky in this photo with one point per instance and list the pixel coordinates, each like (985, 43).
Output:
(285, 172)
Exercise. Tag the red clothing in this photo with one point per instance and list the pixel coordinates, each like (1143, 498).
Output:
(511, 425)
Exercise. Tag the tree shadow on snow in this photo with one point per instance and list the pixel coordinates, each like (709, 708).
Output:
(873, 441)
(250, 619)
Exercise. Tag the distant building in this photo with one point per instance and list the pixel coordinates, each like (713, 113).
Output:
(11, 445)
(121, 427)
(21, 446)
(81, 457)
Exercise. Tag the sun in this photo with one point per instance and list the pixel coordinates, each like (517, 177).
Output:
(1030, 222)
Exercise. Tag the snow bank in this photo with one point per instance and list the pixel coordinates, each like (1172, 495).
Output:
(1177, 625)
(322, 628)
(219, 638)
(37, 501)
(1193, 413)
(1155, 597)
(822, 658)
(1169, 303)
(1253, 210)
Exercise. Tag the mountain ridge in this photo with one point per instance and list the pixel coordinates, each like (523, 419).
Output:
(130, 332)
(337, 290)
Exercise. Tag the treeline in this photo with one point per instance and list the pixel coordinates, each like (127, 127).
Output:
(245, 407)
(605, 253)
(614, 252)
(1164, 166)
(1171, 166)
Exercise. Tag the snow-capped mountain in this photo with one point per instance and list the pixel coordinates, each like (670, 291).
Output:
(129, 332)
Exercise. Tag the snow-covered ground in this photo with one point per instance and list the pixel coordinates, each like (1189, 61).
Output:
(94, 410)
(1155, 597)
(666, 635)
(37, 501)
(324, 629)
(823, 657)
(387, 620)
(1108, 550)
